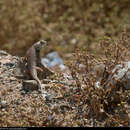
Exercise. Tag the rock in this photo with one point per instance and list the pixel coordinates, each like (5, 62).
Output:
(3, 104)
(55, 64)
(50, 117)
(121, 75)
(52, 59)
(13, 79)
(45, 62)
(97, 84)
(54, 55)
(48, 97)
(9, 64)
(3, 53)
(30, 85)
(45, 95)
(74, 41)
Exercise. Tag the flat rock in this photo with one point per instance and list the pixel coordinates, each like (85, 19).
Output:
(121, 75)
(3, 53)
(30, 85)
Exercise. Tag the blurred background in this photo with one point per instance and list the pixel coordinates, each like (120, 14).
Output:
(65, 24)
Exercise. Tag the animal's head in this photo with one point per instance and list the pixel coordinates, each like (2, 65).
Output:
(38, 45)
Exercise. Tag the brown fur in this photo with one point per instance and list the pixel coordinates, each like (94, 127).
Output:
(33, 59)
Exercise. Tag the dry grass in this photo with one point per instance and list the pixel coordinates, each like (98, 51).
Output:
(96, 26)
(25, 22)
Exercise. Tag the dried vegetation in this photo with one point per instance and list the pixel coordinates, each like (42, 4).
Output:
(81, 28)
(108, 105)
(65, 24)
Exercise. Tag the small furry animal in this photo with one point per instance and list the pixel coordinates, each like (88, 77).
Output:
(33, 59)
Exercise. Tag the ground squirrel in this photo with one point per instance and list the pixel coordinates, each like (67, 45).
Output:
(34, 59)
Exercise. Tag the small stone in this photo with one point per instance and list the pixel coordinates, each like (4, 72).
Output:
(64, 124)
(30, 85)
(74, 41)
(1, 76)
(3, 109)
(120, 125)
(50, 117)
(44, 95)
(35, 95)
(48, 97)
(17, 102)
(3, 104)
(23, 92)
(3, 53)
(10, 65)
(97, 85)
(12, 79)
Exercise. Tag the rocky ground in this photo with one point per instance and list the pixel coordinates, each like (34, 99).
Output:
(65, 103)
(91, 88)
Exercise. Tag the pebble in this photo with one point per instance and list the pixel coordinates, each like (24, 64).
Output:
(3, 53)
(48, 97)
(23, 92)
(12, 79)
(10, 64)
(3, 104)
(50, 117)
(97, 85)
(30, 85)
(1, 76)
(74, 41)
(35, 95)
